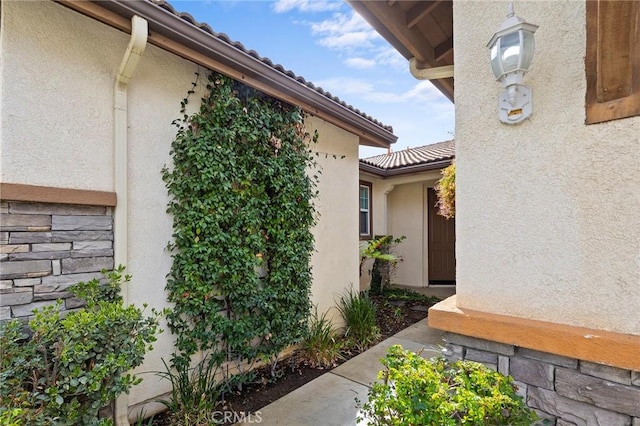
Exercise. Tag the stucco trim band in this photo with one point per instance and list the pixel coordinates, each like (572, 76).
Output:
(48, 194)
(614, 349)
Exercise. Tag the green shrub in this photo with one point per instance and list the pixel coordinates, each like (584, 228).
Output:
(194, 391)
(72, 366)
(395, 293)
(385, 261)
(12, 416)
(321, 346)
(359, 314)
(446, 192)
(416, 391)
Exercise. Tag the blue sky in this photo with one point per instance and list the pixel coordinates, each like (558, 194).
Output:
(329, 44)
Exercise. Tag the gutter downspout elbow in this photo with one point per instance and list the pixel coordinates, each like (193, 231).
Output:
(429, 73)
(135, 49)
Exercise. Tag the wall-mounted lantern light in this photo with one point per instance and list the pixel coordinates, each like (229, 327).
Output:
(512, 48)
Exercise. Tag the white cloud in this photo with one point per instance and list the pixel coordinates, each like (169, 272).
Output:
(384, 57)
(346, 86)
(341, 23)
(387, 55)
(360, 63)
(347, 40)
(357, 41)
(344, 32)
(282, 6)
(422, 92)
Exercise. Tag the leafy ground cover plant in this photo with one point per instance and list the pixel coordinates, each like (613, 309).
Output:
(359, 314)
(322, 345)
(414, 391)
(74, 365)
(396, 293)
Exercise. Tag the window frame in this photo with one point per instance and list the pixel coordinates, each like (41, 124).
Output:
(612, 61)
(369, 187)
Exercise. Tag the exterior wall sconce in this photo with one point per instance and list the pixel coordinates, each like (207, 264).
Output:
(511, 50)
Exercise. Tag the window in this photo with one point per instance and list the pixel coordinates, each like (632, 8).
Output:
(365, 210)
(612, 60)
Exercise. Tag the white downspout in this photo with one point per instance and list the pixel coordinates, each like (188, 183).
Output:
(135, 49)
(429, 73)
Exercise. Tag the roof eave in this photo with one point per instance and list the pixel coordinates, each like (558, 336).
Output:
(435, 165)
(164, 26)
(373, 19)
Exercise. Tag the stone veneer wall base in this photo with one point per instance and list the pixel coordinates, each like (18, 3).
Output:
(564, 391)
(47, 247)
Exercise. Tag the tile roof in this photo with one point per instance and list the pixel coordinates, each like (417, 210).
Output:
(437, 152)
(225, 38)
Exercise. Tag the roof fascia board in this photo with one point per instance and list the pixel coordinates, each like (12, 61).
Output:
(368, 168)
(170, 32)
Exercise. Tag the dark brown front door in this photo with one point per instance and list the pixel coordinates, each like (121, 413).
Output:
(442, 244)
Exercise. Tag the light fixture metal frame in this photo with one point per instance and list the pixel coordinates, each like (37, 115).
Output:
(515, 103)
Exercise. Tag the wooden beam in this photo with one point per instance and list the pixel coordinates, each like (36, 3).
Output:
(54, 195)
(612, 60)
(443, 49)
(615, 50)
(571, 341)
(394, 20)
(419, 11)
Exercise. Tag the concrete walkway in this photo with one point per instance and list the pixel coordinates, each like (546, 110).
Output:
(330, 400)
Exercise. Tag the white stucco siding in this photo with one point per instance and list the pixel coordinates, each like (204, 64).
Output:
(547, 211)
(400, 209)
(407, 218)
(380, 189)
(335, 261)
(161, 81)
(56, 95)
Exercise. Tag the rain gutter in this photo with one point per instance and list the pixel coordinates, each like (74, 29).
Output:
(132, 55)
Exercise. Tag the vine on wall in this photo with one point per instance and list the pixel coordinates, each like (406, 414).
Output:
(242, 202)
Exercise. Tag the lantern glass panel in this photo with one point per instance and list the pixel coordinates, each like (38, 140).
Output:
(510, 51)
(528, 49)
(496, 67)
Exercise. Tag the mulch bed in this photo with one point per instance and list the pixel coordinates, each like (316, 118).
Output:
(392, 316)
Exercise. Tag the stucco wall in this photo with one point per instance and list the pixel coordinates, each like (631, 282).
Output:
(335, 262)
(547, 211)
(399, 208)
(407, 217)
(56, 93)
(57, 90)
(161, 81)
